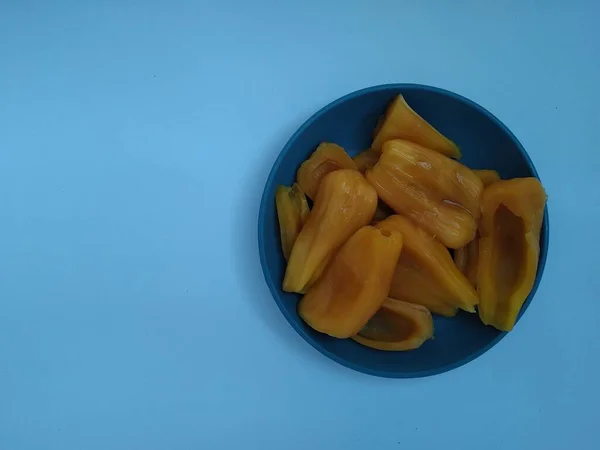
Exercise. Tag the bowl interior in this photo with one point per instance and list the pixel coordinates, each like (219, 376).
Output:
(485, 143)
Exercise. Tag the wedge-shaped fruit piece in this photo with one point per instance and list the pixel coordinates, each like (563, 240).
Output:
(345, 203)
(426, 274)
(509, 248)
(292, 212)
(467, 257)
(401, 122)
(326, 158)
(354, 285)
(397, 326)
(439, 194)
(415, 284)
(366, 159)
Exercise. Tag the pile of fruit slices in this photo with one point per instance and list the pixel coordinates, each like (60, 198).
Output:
(372, 257)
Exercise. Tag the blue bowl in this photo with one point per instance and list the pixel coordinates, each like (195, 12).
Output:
(485, 142)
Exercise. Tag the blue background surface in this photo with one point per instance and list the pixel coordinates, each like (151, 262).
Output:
(135, 139)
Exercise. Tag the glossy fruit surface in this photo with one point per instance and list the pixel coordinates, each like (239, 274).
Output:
(403, 122)
(437, 193)
(345, 202)
(354, 285)
(426, 273)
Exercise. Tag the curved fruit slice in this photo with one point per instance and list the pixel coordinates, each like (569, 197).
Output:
(354, 284)
(415, 284)
(401, 122)
(436, 192)
(397, 326)
(467, 258)
(366, 159)
(345, 203)
(292, 212)
(509, 248)
(326, 158)
(426, 273)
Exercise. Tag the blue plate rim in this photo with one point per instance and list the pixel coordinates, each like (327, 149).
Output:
(267, 198)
